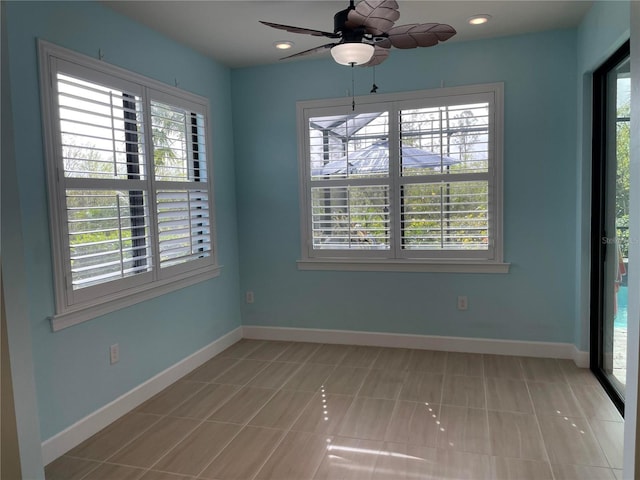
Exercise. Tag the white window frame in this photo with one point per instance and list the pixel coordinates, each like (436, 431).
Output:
(79, 306)
(394, 259)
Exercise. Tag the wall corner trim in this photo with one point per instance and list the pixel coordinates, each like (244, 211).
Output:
(84, 428)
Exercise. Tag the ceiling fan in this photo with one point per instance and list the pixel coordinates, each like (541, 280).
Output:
(364, 33)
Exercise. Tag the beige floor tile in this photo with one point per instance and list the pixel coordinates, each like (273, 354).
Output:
(463, 429)
(298, 352)
(282, 410)
(296, 458)
(349, 459)
(469, 364)
(542, 370)
(203, 403)
(463, 391)
(569, 440)
(108, 471)
(211, 369)
(581, 472)
(422, 387)
(170, 397)
(618, 474)
(508, 395)
(246, 453)
(393, 359)
(147, 449)
(274, 375)
(242, 372)
(360, 357)
(610, 435)
(502, 366)
(242, 406)
(111, 439)
(595, 403)
(156, 475)
(554, 399)
(515, 435)
(382, 384)
(518, 469)
(314, 420)
(269, 351)
(193, 453)
(453, 465)
(68, 468)
(428, 361)
(575, 374)
(242, 348)
(345, 380)
(367, 418)
(329, 354)
(405, 462)
(414, 423)
(310, 377)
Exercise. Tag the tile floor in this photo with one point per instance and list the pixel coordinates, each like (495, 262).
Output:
(281, 410)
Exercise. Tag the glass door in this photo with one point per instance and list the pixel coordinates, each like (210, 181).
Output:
(610, 223)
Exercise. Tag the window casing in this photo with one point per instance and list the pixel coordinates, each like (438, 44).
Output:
(129, 177)
(409, 181)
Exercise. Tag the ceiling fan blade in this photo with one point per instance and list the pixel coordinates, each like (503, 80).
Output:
(380, 54)
(310, 51)
(377, 16)
(420, 35)
(306, 31)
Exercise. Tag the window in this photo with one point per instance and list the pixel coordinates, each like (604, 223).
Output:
(129, 180)
(403, 182)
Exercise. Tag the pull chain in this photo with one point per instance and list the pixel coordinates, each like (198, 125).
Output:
(353, 91)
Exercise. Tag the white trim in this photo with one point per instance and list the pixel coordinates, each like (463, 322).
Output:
(127, 298)
(84, 428)
(421, 265)
(423, 342)
(580, 358)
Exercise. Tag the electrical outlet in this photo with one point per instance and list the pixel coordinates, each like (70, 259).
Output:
(249, 296)
(463, 304)
(114, 353)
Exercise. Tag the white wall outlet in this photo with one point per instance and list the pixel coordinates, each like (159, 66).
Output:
(114, 353)
(463, 304)
(249, 297)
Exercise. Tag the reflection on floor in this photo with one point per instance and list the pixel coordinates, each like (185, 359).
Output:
(280, 410)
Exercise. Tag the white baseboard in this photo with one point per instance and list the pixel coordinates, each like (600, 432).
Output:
(72, 436)
(424, 342)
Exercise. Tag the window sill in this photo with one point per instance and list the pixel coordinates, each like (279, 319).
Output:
(76, 315)
(403, 266)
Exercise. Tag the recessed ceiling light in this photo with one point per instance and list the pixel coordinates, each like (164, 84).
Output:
(283, 45)
(479, 19)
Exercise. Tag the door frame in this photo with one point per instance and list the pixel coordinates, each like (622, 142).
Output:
(598, 219)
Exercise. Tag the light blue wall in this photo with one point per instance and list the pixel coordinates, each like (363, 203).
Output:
(72, 371)
(535, 301)
(602, 31)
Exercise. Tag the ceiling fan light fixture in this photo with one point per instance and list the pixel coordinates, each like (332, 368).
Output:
(283, 45)
(479, 19)
(352, 53)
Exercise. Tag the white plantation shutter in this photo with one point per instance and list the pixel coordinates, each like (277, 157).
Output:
(410, 177)
(128, 168)
(183, 226)
(184, 233)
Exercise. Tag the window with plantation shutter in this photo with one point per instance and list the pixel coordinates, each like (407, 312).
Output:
(129, 181)
(406, 182)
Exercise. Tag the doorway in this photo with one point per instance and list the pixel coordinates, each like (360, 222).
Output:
(610, 223)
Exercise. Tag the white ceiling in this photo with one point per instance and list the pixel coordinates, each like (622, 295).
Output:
(229, 32)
